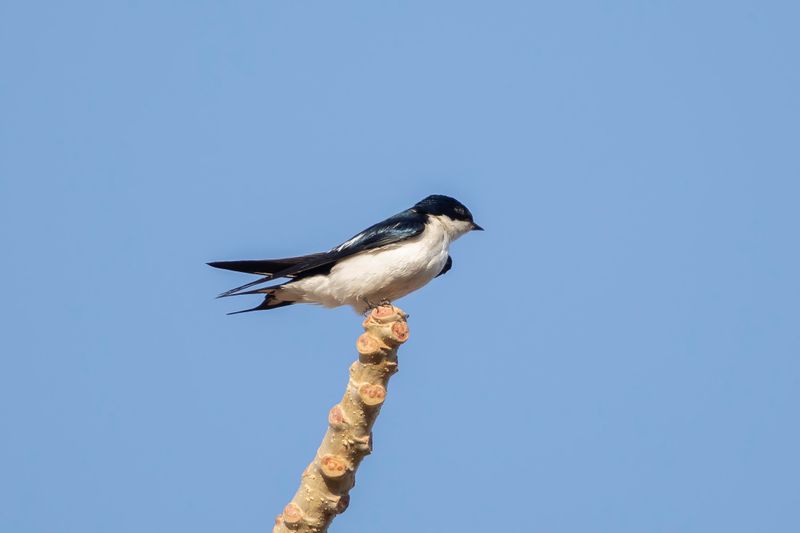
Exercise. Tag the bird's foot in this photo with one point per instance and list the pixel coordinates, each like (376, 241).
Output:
(369, 308)
(373, 305)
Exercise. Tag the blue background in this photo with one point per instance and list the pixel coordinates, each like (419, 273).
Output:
(617, 352)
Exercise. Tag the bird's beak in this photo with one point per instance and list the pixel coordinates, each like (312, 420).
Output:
(476, 227)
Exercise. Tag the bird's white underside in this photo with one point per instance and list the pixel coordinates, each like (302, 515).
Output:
(387, 273)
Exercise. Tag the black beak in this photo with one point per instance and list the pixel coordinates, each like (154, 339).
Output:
(476, 227)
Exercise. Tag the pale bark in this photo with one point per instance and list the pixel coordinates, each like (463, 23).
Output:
(326, 482)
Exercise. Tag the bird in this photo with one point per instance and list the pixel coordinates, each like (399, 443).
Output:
(377, 266)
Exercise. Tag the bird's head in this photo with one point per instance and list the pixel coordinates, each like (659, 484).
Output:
(445, 207)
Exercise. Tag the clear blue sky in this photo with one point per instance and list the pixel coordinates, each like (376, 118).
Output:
(618, 352)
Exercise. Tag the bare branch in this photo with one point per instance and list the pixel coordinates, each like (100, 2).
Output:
(326, 482)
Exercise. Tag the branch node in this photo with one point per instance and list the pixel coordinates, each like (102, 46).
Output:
(333, 466)
(336, 417)
(383, 313)
(399, 332)
(343, 503)
(372, 395)
(368, 346)
(292, 516)
(363, 444)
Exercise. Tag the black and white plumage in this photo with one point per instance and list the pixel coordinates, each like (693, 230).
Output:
(382, 263)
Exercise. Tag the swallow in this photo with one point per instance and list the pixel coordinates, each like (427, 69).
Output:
(381, 264)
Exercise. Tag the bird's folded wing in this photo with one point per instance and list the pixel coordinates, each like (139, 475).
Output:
(262, 267)
(397, 228)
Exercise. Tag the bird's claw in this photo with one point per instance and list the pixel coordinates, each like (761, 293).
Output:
(373, 305)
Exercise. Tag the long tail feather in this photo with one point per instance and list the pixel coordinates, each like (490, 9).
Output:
(268, 303)
(263, 267)
(263, 290)
(236, 290)
(269, 269)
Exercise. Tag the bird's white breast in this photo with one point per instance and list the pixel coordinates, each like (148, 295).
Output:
(386, 273)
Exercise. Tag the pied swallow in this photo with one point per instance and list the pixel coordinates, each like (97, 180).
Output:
(384, 262)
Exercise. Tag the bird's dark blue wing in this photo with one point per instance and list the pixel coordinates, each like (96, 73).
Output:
(394, 229)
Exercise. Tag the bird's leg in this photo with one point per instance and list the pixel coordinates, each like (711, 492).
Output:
(373, 305)
(370, 305)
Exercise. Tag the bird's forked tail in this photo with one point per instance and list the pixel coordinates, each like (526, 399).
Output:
(270, 300)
